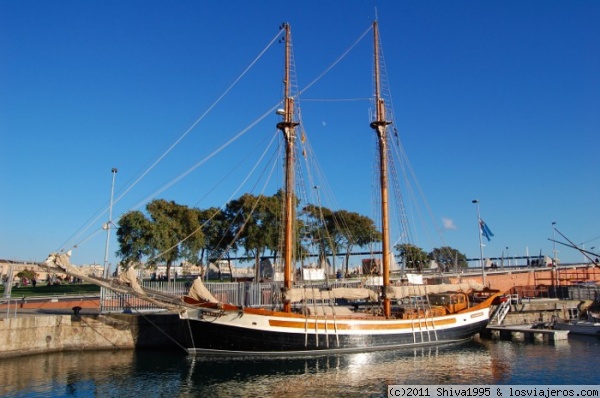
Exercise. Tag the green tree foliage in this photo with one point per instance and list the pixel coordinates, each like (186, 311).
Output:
(192, 239)
(27, 273)
(254, 222)
(339, 231)
(315, 230)
(448, 258)
(167, 230)
(175, 232)
(134, 237)
(353, 229)
(412, 256)
(218, 237)
(170, 232)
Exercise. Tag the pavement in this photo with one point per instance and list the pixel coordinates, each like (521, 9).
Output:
(50, 305)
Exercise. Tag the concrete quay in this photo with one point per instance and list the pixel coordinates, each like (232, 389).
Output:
(529, 320)
(535, 311)
(526, 333)
(34, 333)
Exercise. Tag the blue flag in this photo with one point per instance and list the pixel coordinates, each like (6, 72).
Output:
(485, 231)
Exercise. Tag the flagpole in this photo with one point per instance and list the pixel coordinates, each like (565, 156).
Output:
(476, 201)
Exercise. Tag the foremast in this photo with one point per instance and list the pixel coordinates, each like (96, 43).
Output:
(287, 127)
(379, 125)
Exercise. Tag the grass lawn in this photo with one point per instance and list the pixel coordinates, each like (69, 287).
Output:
(56, 290)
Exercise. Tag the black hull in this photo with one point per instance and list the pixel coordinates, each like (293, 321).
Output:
(217, 339)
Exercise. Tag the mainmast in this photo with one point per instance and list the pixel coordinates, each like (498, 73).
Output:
(380, 127)
(287, 127)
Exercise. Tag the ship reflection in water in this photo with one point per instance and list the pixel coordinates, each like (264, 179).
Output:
(167, 374)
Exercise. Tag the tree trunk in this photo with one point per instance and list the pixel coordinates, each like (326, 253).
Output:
(169, 270)
(256, 267)
(230, 269)
(347, 259)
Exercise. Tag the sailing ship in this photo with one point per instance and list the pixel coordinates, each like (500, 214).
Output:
(299, 329)
(312, 320)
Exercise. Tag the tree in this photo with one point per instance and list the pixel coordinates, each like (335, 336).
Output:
(448, 258)
(28, 274)
(316, 229)
(168, 231)
(134, 234)
(216, 232)
(352, 229)
(192, 239)
(412, 256)
(341, 230)
(254, 222)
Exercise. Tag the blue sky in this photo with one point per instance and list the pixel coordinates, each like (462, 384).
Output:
(496, 101)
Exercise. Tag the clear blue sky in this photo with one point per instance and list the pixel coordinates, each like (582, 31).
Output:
(496, 101)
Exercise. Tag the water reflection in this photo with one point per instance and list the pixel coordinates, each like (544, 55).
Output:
(173, 374)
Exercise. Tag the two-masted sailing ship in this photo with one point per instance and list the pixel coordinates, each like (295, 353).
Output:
(445, 316)
(219, 328)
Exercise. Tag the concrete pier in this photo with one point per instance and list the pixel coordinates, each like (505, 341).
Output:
(42, 333)
(526, 333)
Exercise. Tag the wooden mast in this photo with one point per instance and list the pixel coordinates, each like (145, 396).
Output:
(380, 127)
(287, 127)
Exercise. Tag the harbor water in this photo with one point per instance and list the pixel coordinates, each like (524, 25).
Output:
(147, 374)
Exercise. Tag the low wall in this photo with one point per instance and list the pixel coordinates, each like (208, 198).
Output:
(529, 312)
(33, 334)
(506, 279)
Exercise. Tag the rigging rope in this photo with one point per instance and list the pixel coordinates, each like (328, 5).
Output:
(335, 62)
(229, 199)
(203, 161)
(210, 108)
(241, 133)
(161, 157)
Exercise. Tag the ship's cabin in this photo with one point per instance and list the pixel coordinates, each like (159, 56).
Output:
(451, 301)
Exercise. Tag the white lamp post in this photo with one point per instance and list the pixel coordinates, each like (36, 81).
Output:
(108, 224)
(554, 243)
(476, 201)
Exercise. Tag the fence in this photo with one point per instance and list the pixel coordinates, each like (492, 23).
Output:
(583, 292)
(111, 301)
(246, 294)
(560, 292)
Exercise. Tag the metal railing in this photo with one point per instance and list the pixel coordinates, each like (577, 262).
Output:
(249, 294)
(583, 292)
(246, 294)
(557, 292)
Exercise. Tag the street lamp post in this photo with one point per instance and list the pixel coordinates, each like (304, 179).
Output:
(555, 280)
(476, 201)
(554, 243)
(108, 224)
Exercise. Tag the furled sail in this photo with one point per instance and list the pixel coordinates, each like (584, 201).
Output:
(127, 282)
(199, 292)
(298, 294)
(398, 292)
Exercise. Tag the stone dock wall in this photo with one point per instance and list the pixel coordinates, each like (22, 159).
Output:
(529, 313)
(33, 334)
